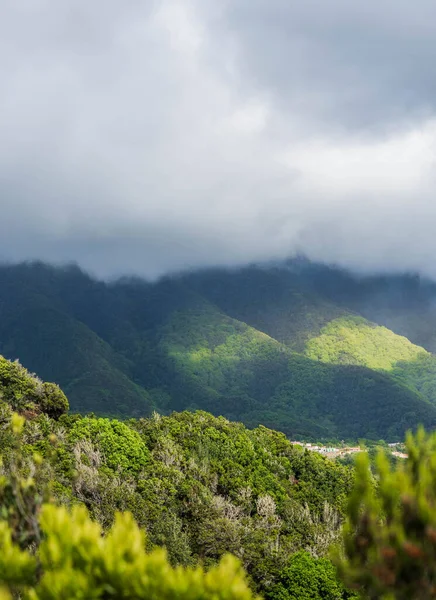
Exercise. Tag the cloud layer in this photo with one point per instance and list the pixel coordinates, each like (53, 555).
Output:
(147, 137)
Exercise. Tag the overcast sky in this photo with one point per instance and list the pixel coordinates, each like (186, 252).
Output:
(145, 137)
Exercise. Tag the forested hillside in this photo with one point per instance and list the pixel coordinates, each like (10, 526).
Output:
(199, 485)
(307, 350)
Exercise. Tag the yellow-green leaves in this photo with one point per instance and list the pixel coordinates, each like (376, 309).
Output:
(75, 561)
(17, 567)
(356, 341)
(17, 423)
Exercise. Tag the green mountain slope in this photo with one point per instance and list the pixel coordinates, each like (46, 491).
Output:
(272, 300)
(356, 341)
(406, 304)
(272, 346)
(232, 369)
(37, 329)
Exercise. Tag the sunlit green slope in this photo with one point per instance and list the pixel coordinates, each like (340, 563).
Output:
(356, 341)
(265, 346)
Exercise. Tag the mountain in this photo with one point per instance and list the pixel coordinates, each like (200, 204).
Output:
(309, 350)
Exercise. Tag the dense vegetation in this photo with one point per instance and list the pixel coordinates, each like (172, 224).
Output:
(197, 488)
(196, 484)
(390, 534)
(353, 340)
(74, 561)
(356, 341)
(281, 347)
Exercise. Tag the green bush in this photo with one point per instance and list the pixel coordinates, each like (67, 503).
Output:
(17, 386)
(75, 561)
(25, 392)
(53, 401)
(308, 578)
(122, 447)
(390, 534)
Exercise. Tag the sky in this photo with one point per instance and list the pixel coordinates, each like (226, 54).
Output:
(145, 137)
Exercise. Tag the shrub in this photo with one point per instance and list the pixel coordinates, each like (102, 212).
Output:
(308, 578)
(122, 447)
(23, 391)
(390, 534)
(53, 401)
(17, 386)
(75, 561)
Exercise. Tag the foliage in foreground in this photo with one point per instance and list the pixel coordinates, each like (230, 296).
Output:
(50, 552)
(198, 485)
(390, 534)
(201, 487)
(75, 561)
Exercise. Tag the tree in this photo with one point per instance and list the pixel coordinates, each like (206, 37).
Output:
(53, 401)
(390, 533)
(308, 578)
(74, 560)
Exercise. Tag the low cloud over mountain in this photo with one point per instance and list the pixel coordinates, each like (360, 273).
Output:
(146, 137)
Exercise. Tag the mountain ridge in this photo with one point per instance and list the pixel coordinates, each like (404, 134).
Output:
(294, 349)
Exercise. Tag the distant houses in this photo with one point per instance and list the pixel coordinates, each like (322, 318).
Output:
(329, 451)
(332, 452)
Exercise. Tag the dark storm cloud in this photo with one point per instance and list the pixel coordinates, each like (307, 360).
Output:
(146, 137)
(344, 64)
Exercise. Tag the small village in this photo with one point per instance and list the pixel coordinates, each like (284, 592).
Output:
(395, 448)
